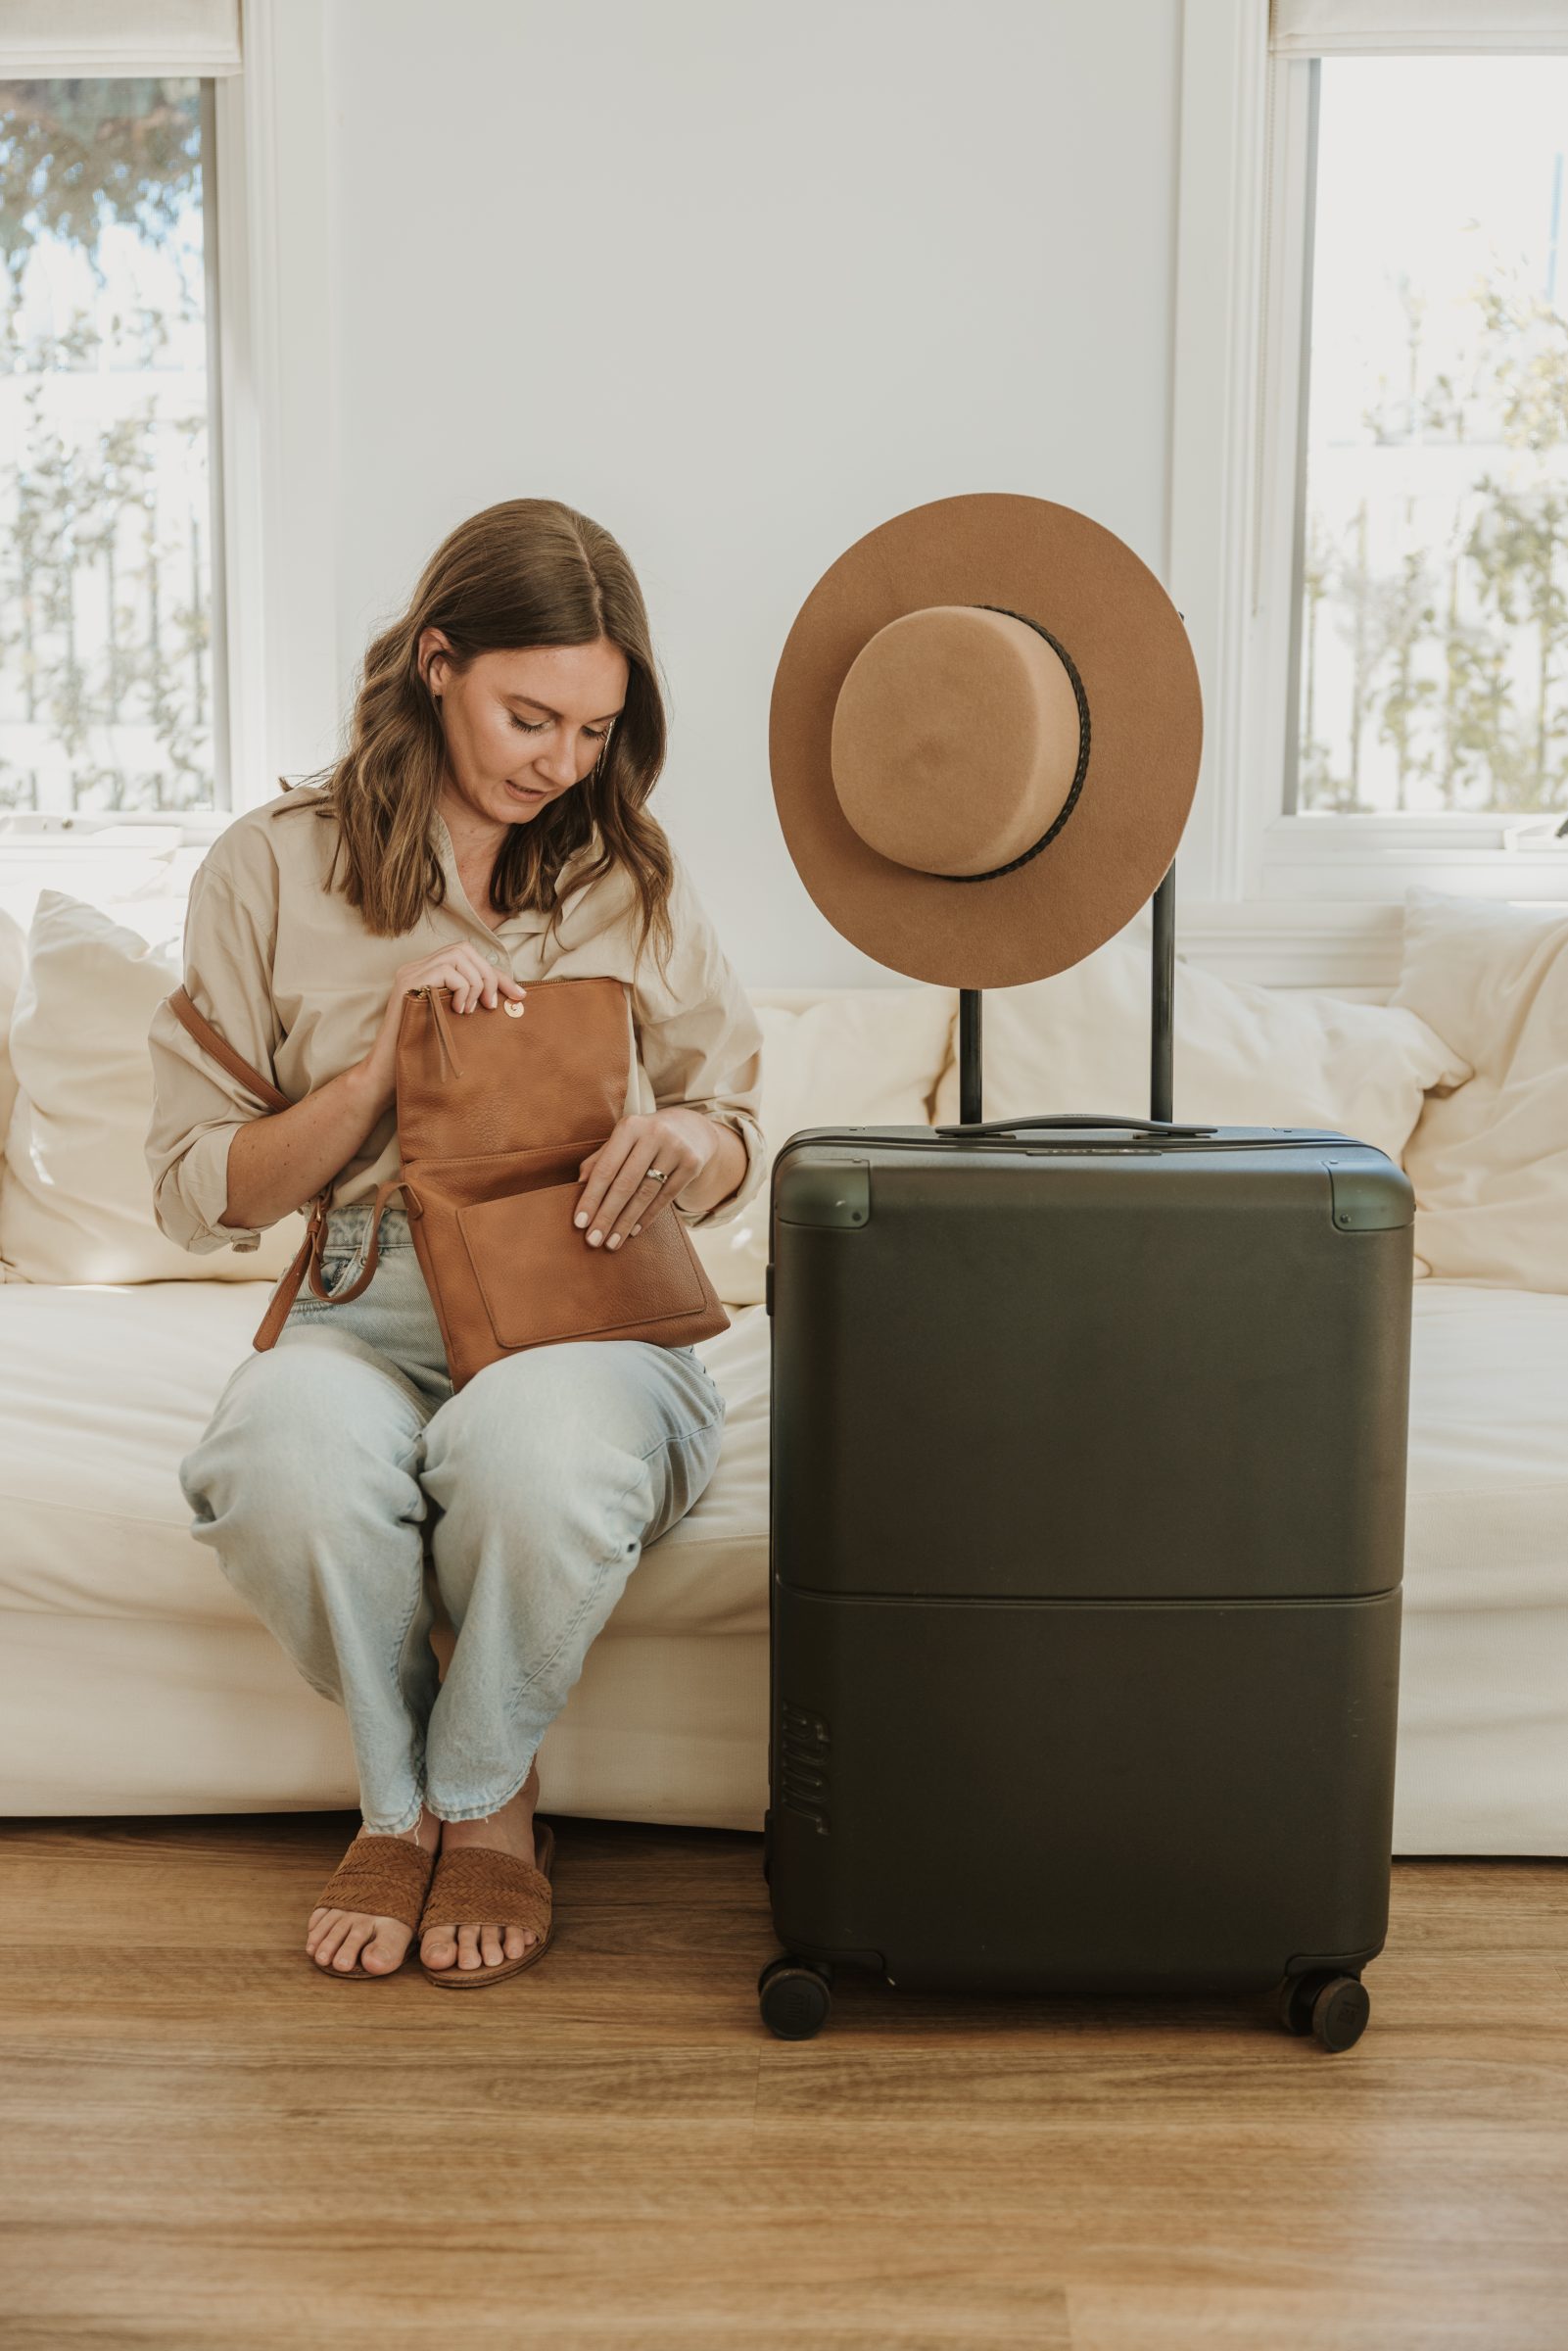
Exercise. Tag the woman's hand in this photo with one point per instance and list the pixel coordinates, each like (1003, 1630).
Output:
(619, 1197)
(472, 980)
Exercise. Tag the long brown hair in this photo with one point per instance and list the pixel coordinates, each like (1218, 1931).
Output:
(529, 571)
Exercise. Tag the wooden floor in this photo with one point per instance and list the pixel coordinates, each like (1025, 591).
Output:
(205, 2143)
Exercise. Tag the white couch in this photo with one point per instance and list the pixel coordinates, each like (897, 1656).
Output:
(133, 1678)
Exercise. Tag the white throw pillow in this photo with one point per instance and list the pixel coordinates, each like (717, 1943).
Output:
(103, 868)
(855, 1057)
(1490, 1164)
(75, 1200)
(1242, 1055)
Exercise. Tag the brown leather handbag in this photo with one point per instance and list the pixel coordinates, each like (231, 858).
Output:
(492, 1134)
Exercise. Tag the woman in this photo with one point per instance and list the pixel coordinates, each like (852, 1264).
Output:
(487, 827)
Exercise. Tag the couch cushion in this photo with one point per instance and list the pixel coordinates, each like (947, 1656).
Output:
(1489, 1162)
(104, 1390)
(75, 1196)
(1486, 1502)
(1243, 1055)
(851, 1056)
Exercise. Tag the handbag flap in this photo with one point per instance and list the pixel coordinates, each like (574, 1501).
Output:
(515, 1075)
(540, 1280)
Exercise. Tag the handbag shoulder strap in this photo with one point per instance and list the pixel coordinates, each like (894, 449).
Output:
(309, 1251)
(180, 1005)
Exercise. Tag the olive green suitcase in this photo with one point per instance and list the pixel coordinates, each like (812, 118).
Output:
(1087, 1520)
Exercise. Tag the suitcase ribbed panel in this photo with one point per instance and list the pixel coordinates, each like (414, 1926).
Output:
(804, 1786)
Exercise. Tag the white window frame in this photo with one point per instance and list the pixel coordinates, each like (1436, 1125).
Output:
(272, 386)
(1237, 404)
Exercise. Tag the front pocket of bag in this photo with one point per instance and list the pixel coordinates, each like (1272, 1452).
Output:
(540, 1279)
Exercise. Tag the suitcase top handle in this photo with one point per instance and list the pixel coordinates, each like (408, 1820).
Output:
(1074, 1119)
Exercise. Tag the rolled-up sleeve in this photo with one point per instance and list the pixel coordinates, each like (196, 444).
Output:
(701, 1042)
(198, 1108)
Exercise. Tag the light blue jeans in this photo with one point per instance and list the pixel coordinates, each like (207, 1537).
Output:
(330, 1456)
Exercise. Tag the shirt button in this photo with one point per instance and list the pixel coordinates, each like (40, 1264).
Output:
(490, 955)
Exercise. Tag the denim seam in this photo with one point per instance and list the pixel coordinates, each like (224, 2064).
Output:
(403, 1459)
(528, 1681)
(686, 1438)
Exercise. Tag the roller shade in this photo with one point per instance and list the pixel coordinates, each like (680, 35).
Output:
(1414, 28)
(70, 39)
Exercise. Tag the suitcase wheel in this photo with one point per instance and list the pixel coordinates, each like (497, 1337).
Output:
(1334, 2007)
(795, 1997)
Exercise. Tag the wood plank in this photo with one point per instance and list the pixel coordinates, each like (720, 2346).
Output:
(204, 2142)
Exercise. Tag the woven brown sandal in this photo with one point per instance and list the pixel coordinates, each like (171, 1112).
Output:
(388, 1877)
(480, 1883)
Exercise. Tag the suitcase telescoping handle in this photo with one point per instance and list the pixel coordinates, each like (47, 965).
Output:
(1077, 1118)
(1161, 1025)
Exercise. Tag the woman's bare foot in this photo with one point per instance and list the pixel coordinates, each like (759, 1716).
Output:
(337, 1938)
(509, 1831)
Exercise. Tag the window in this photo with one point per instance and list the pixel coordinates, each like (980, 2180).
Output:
(111, 691)
(1431, 572)
(1370, 479)
(168, 502)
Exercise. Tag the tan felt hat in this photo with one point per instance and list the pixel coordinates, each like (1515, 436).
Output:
(985, 736)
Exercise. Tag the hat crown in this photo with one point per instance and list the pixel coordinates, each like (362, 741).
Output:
(956, 739)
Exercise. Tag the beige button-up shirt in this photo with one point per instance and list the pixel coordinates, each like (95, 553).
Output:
(287, 974)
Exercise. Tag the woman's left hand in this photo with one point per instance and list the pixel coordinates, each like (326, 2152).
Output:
(618, 1198)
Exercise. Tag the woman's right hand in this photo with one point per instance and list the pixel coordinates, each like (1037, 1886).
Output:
(472, 980)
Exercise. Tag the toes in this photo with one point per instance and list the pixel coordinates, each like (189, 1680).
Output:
(331, 1935)
(343, 1937)
(354, 1942)
(389, 1948)
(482, 1946)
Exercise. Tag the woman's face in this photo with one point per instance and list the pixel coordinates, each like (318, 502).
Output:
(524, 726)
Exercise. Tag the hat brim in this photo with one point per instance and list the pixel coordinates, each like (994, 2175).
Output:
(1126, 641)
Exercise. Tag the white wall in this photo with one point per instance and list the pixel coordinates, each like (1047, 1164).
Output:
(742, 282)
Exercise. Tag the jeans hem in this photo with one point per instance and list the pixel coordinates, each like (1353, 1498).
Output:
(401, 1826)
(494, 1804)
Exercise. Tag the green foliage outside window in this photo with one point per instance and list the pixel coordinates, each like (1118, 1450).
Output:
(106, 691)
